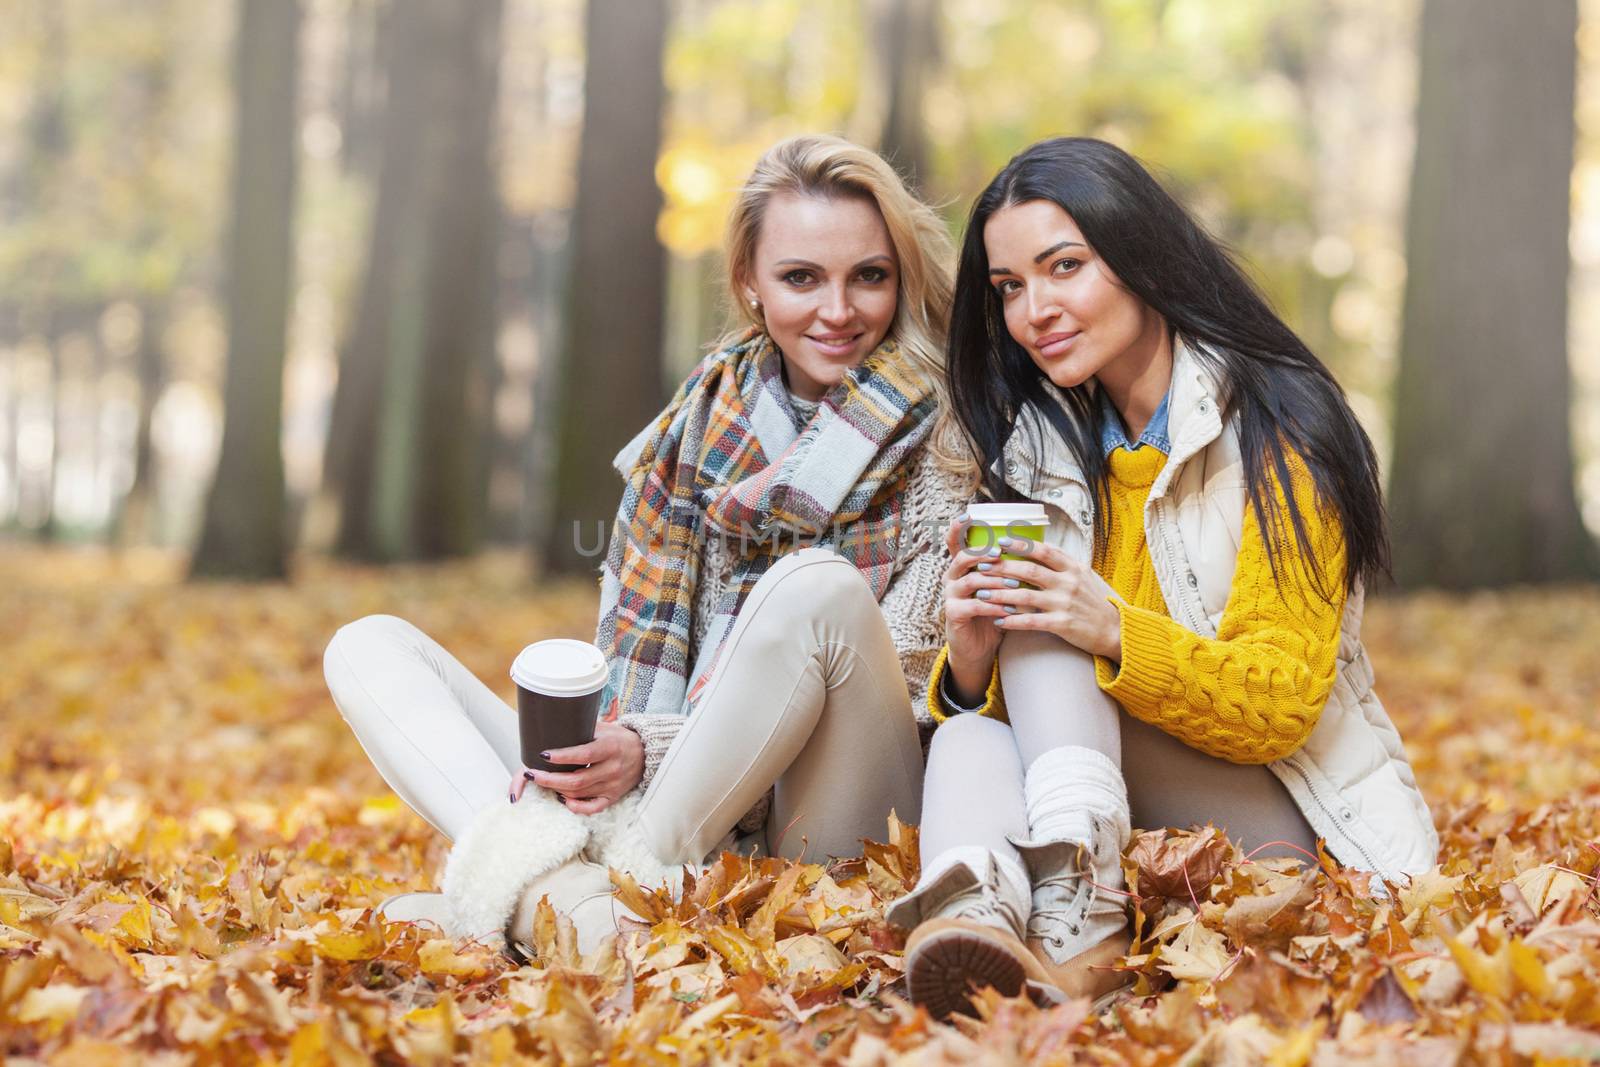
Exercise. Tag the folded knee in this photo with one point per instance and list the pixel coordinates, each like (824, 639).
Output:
(362, 630)
(1019, 643)
(817, 579)
(971, 733)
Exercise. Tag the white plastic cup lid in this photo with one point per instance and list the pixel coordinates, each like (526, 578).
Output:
(1004, 515)
(560, 667)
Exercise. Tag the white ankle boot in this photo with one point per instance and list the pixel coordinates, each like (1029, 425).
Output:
(582, 892)
(513, 855)
(577, 889)
(1078, 825)
(416, 908)
(581, 887)
(967, 917)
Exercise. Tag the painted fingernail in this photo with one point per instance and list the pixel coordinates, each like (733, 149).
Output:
(985, 566)
(1013, 583)
(1000, 622)
(983, 594)
(1011, 609)
(544, 755)
(528, 774)
(992, 550)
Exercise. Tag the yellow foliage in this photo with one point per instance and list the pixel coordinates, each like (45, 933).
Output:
(192, 842)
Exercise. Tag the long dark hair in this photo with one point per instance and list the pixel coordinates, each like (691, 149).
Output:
(1284, 396)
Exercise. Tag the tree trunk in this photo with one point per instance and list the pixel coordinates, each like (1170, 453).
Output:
(1482, 492)
(49, 529)
(11, 418)
(410, 411)
(244, 530)
(611, 359)
(135, 518)
(50, 140)
(909, 35)
(363, 388)
(66, 326)
(459, 332)
(361, 85)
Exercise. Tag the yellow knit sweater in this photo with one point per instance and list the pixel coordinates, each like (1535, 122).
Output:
(1252, 694)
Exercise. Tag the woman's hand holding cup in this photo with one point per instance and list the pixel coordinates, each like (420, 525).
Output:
(615, 764)
(564, 746)
(1048, 590)
(969, 627)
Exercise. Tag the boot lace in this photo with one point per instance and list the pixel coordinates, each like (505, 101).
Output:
(983, 902)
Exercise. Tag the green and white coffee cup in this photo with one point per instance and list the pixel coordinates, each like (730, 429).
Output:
(989, 524)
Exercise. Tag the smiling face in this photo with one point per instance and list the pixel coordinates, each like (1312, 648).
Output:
(1062, 303)
(827, 278)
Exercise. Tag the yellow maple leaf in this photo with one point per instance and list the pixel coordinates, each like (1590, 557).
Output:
(1198, 953)
(53, 1003)
(1485, 974)
(441, 956)
(1547, 885)
(362, 943)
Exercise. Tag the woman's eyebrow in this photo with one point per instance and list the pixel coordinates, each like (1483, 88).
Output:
(1042, 256)
(883, 257)
(1058, 246)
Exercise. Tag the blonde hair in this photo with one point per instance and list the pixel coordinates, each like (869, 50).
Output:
(823, 166)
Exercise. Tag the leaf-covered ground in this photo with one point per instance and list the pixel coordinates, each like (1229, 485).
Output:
(191, 842)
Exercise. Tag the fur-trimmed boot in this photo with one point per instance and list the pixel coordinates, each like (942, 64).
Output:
(577, 889)
(506, 849)
(581, 888)
(1078, 825)
(615, 841)
(967, 916)
(416, 908)
(513, 855)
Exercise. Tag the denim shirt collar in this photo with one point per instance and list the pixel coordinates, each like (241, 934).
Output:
(1196, 402)
(1113, 436)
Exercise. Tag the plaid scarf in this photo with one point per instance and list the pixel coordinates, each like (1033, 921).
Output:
(725, 459)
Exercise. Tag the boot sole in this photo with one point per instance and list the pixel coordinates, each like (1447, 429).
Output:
(945, 967)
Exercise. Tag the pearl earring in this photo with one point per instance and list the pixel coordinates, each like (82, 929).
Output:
(755, 305)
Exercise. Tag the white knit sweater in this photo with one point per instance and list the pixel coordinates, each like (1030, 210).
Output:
(913, 605)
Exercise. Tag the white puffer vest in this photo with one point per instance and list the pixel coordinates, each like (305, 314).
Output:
(1351, 778)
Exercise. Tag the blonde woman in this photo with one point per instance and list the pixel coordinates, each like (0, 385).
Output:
(770, 604)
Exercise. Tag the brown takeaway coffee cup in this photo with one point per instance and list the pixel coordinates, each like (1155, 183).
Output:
(558, 697)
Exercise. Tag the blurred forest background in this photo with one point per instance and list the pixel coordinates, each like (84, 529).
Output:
(394, 279)
(330, 287)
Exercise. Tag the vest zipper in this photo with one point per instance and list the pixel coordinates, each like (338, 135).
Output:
(1195, 623)
(1372, 864)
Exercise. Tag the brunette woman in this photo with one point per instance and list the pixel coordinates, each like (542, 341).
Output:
(1184, 645)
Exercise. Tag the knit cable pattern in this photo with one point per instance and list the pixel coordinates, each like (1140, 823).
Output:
(1253, 693)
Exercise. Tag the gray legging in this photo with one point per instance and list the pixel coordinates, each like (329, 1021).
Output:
(973, 791)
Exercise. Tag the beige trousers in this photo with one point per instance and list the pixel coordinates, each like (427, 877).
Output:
(807, 699)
